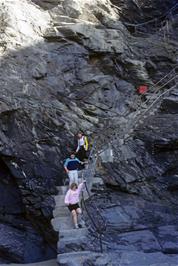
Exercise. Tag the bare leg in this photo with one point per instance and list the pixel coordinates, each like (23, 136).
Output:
(79, 213)
(74, 218)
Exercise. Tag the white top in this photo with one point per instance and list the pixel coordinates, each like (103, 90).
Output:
(81, 142)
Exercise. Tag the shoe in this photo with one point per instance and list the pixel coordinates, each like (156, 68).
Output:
(80, 226)
(76, 226)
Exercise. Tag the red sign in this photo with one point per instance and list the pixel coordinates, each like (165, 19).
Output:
(142, 89)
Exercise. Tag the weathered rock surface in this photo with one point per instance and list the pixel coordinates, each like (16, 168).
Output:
(69, 65)
(137, 228)
(143, 10)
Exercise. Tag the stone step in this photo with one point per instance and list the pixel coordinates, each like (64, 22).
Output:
(130, 258)
(60, 223)
(64, 244)
(62, 189)
(61, 212)
(43, 263)
(59, 200)
(73, 258)
(80, 257)
(71, 233)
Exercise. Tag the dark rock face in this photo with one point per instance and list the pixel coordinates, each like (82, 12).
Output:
(20, 241)
(137, 227)
(46, 4)
(153, 161)
(68, 68)
(143, 11)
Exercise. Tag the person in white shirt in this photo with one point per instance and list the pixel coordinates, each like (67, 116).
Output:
(82, 147)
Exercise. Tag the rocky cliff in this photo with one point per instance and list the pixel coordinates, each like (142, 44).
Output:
(70, 65)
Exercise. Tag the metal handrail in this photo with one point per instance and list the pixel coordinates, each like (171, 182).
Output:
(139, 118)
(97, 209)
(101, 227)
(156, 100)
(135, 121)
(151, 101)
(159, 87)
(99, 235)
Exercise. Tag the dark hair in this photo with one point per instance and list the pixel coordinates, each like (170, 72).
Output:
(73, 185)
(72, 152)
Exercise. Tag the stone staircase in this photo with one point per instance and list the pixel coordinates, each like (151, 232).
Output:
(72, 245)
(72, 248)
(43, 263)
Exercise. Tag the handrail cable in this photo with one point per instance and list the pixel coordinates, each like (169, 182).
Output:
(160, 86)
(155, 93)
(97, 209)
(132, 124)
(158, 97)
(137, 122)
(162, 94)
(99, 228)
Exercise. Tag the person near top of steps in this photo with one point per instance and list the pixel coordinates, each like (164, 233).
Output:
(71, 167)
(72, 202)
(82, 147)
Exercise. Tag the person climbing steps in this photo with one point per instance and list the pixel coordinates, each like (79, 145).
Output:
(72, 202)
(71, 167)
(82, 147)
